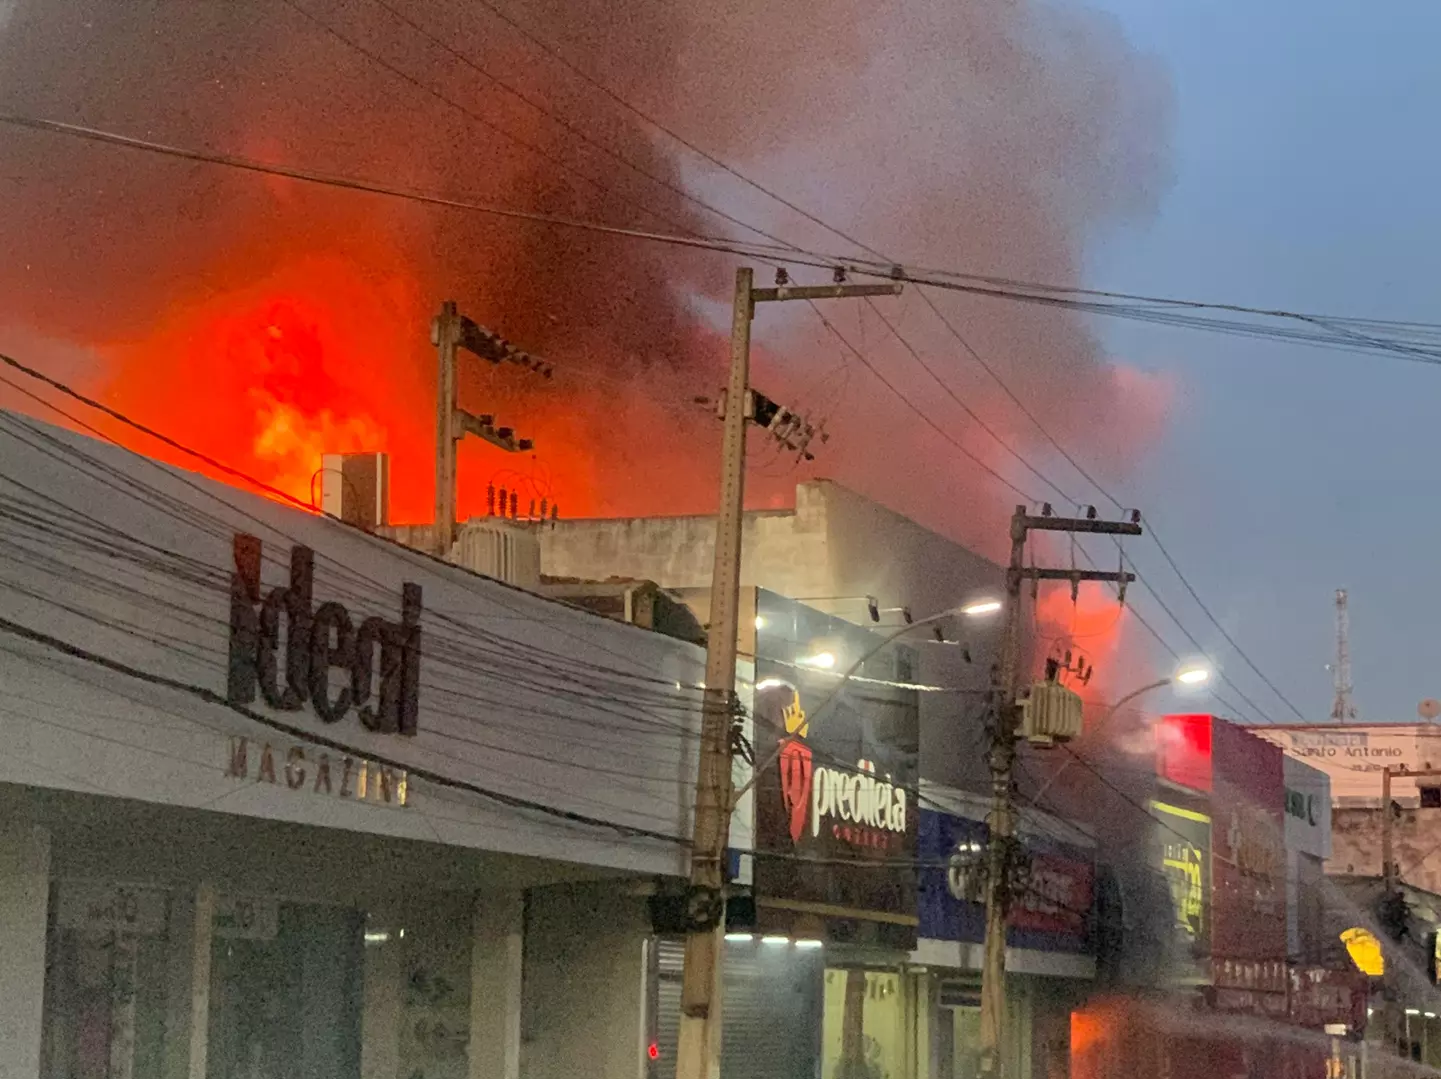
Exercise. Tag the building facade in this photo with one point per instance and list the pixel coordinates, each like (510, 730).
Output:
(822, 923)
(837, 552)
(284, 798)
(1050, 938)
(1244, 984)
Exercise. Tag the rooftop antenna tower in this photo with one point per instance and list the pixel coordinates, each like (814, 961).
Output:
(1343, 709)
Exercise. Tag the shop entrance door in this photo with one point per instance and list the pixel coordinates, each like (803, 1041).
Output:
(958, 1032)
(286, 990)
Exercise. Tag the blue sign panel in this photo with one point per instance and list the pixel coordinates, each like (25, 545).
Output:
(1051, 911)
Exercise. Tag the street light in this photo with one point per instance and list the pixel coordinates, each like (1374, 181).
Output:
(1188, 676)
(826, 660)
(971, 609)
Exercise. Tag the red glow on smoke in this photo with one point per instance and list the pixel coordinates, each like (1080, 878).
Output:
(320, 356)
(1089, 628)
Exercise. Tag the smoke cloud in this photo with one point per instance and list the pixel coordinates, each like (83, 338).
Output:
(263, 319)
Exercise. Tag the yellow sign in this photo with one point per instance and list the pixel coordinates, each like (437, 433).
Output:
(1365, 951)
(1184, 862)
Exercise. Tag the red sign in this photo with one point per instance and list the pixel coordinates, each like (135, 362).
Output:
(1248, 848)
(797, 770)
(1057, 896)
(1183, 751)
(1320, 996)
(1308, 997)
(1261, 976)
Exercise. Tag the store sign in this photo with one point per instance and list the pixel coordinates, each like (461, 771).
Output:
(1307, 807)
(1310, 997)
(825, 824)
(305, 768)
(1050, 912)
(1057, 896)
(858, 807)
(319, 644)
(1321, 996)
(1353, 757)
(251, 918)
(1262, 976)
(1301, 806)
(106, 907)
(1184, 841)
(852, 805)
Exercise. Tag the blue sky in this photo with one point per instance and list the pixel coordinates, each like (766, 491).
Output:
(1306, 178)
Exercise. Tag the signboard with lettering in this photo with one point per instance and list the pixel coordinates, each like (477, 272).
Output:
(1051, 912)
(309, 768)
(1183, 841)
(1354, 755)
(835, 812)
(328, 659)
(253, 918)
(1307, 806)
(105, 906)
(1310, 997)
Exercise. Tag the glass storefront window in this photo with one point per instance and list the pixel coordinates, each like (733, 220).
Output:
(285, 989)
(863, 1033)
(106, 981)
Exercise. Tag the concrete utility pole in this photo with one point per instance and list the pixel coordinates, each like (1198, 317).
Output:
(1003, 751)
(451, 331)
(698, 1053)
(1391, 1017)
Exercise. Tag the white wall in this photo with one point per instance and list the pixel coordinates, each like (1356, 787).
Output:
(522, 697)
(24, 903)
(583, 1012)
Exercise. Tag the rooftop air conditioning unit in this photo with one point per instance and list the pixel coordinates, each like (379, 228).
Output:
(356, 489)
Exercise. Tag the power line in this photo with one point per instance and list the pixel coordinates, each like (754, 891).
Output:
(424, 87)
(201, 693)
(688, 241)
(796, 256)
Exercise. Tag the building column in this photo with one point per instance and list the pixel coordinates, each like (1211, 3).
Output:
(189, 934)
(496, 965)
(24, 912)
(384, 992)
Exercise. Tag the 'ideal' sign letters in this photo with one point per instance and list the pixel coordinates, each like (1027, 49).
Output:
(316, 641)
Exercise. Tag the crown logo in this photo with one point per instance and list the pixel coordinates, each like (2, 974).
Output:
(795, 717)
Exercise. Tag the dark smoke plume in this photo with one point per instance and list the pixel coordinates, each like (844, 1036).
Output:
(261, 318)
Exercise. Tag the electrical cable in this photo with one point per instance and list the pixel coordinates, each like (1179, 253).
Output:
(299, 734)
(797, 256)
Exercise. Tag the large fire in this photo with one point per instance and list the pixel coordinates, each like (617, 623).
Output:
(320, 357)
(264, 321)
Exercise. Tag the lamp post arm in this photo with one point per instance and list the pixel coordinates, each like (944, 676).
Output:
(840, 686)
(1105, 716)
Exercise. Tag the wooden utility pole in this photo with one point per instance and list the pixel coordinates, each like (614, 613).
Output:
(1004, 735)
(698, 1052)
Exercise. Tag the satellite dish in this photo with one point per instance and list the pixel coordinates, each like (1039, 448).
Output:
(1429, 709)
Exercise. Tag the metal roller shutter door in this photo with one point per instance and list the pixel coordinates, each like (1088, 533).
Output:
(772, 1009)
